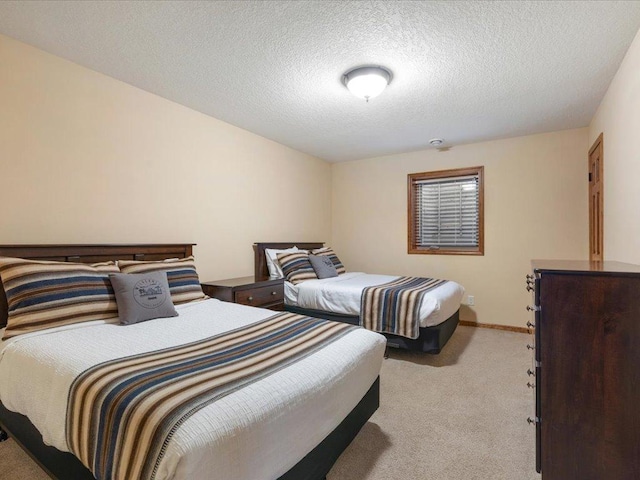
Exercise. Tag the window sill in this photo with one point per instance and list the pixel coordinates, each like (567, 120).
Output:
(444, 251)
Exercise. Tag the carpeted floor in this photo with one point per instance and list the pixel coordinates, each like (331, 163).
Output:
(460, 415)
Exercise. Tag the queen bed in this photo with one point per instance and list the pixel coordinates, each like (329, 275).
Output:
(284, 424)
(339, 299)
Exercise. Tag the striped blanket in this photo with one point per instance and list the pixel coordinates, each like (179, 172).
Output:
(122, 414)
(394, 307)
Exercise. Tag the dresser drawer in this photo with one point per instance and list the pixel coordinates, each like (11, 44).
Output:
(260, 296)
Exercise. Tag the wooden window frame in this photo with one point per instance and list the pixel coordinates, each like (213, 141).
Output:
(412, 178)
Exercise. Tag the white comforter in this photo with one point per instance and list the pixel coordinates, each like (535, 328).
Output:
(342, 294)
(258, 432)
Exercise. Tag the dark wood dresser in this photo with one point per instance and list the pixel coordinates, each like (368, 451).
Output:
(587, 369)
(245, 290)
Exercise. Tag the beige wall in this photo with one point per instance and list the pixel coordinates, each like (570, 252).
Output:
(86, 158)
(535, 207)
(618, 118)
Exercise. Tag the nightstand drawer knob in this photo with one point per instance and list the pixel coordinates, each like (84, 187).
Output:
(249, 299)
(274, 293)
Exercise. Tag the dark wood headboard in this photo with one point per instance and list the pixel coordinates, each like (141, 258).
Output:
(89, 254)
(260, 260)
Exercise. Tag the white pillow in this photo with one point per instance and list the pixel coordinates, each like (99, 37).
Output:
(275, 270)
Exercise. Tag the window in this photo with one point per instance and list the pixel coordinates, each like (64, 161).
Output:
(446, 212)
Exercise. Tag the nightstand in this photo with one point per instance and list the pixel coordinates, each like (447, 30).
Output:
(245, 290)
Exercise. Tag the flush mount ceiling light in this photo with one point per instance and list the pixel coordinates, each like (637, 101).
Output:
(367, 82)
(436, 142)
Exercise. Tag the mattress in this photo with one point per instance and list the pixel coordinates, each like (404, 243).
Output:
(258, 432)
(342, 294)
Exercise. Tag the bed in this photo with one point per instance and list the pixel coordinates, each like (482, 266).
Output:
(434, 332)
(315, 416)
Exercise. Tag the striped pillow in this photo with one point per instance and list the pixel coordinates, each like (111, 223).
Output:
(184, 283)
(42, 294)
(296, 267)
(328, 252)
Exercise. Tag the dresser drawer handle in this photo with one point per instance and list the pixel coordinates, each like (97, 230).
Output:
(531, 385)
(532, 421)
(530, 347)
(274, 293)
(530, 325)
(535, 308)
(250, 299)
(531, 373)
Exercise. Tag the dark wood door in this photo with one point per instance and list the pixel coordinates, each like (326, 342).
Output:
(596, 201)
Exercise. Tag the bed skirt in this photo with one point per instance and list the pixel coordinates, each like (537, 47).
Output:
(314, 466)
(430, 340)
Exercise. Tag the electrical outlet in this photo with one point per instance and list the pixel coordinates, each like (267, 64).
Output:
(471, 300)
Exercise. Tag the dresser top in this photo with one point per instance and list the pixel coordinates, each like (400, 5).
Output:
(585, 267)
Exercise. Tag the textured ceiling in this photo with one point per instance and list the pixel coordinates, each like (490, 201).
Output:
(463, 71)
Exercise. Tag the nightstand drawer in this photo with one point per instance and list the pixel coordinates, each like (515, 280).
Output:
(246, 291)
(260, 296)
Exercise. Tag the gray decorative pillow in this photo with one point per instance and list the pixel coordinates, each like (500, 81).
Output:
(323, 266)
(142, 296)
(328, 252)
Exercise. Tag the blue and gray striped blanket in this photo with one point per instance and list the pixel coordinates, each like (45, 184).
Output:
(122, 413)
(394, 307)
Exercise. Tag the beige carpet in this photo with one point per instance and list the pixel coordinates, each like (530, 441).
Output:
(460, 415)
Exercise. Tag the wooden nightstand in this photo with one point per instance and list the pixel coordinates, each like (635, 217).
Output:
(245, 290)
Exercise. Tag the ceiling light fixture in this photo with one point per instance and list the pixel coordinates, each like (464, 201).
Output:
(436, 142)
(367, 82)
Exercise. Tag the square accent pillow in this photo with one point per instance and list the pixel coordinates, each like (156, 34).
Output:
(271, 254)
(323, 266)
(296, 267)
(184, 283)
(142, 296)
(328, 252)
(44, 294)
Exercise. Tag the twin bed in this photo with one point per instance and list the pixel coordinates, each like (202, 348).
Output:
(339, 299)
(289, 423)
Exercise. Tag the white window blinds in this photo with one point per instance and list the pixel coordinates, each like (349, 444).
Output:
(447, 212)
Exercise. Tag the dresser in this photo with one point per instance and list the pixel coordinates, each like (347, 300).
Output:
(586, 369)
(245, 290)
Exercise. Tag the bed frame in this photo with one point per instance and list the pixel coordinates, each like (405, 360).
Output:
(61, 465)
(430, 339)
